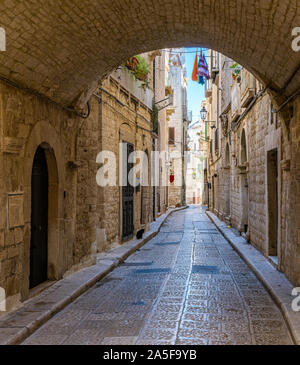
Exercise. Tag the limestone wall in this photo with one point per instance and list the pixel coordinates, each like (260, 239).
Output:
(160, 84)
(27, 121)
(129, 123)
(249, 184)
(176, 120)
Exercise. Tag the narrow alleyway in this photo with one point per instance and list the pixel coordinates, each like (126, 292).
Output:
(185, 286)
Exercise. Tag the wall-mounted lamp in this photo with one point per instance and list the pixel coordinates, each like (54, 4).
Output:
(203, 113)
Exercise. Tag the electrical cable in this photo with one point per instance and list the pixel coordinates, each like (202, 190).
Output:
(42, 96)
(123, 116)
(275, 111)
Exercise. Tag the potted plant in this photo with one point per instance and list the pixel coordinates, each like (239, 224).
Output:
(142, 70)
(132, 63)
(236, 72)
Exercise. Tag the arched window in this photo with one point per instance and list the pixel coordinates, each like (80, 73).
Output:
(244, 158)
(227, 156)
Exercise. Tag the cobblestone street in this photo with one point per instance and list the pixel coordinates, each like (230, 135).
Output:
(185, 286)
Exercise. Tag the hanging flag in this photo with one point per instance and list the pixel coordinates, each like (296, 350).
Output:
(203, 70)
(195, 70)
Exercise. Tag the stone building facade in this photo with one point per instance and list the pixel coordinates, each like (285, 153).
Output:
(177, 128)
(253, 157)
(125, 116)
(49, 189)
(70, 144)
(162, 95)
(195, 164)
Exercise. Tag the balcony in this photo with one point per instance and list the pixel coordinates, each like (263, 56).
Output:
(133, 86)
(248, 88)
(208, 88)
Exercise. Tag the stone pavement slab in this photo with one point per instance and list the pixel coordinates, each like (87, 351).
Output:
(278, 286)
(198, 291)
(19, 324)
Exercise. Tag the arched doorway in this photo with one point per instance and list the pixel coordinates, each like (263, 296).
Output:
(44, 137)
(127, 194)
(244, 184)
(227, 186)
(145, 191)
(39, 220)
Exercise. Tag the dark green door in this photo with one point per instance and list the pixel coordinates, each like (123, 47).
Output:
(39, 220)
(127, 199)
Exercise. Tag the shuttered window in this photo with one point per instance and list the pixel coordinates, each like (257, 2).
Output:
(171, 135)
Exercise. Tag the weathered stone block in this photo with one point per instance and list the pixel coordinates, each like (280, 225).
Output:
(15, 210)
(2, 241)
(13, 252)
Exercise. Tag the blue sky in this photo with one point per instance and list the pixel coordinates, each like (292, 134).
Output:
(195, 91)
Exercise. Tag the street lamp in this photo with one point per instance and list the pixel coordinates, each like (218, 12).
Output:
(203, 114)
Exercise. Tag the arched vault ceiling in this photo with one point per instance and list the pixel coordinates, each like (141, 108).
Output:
(60, 48)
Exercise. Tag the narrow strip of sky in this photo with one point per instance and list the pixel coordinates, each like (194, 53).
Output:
(195, 91)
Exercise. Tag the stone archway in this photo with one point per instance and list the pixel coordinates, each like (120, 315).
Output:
(45, 137)
(61, 49)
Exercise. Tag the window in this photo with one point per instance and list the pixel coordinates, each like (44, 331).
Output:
(171, 135)
(154, 75)
(216, 140)
(243, 148)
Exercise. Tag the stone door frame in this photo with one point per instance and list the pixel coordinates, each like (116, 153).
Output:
(272, 142)
(45, 136)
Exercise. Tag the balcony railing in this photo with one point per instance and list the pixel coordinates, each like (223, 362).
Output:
(134, 86)
(208, 88)
(215, 68)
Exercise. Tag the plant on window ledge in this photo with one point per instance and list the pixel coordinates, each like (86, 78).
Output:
(142, 70)
(236, 72)
(139, 67)
(132, 63)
